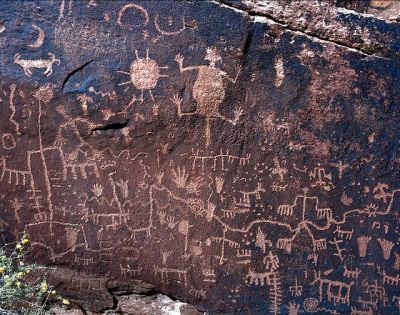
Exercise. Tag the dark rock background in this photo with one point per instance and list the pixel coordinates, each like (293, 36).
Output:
(241, 156)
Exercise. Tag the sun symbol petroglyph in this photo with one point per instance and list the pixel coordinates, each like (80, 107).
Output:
(208, 90)
(144, 75)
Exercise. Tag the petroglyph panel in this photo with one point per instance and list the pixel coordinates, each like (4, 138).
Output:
(230, 160)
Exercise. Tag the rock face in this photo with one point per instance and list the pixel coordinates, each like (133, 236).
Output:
(241, 156)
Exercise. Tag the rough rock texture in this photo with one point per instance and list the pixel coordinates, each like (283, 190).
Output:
(388, 9)
(241, 156)
(136, 304)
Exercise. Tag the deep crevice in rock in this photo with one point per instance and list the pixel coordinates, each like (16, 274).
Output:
(73, 72)
(112, 126)
(368, 51)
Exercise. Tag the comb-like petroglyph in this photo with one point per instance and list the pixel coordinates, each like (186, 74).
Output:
(224, 151)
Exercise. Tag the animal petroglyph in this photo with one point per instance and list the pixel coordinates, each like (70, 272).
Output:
(336, 291)
(268, 190)
(223, 158)
(13, 176)
(28, 64)
(166, 273)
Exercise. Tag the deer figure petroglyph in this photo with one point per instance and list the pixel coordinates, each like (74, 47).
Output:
(27, 64)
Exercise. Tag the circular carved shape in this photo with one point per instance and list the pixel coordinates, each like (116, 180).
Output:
(135, 7)
(8, 141)
(144, 74)
(310, 305)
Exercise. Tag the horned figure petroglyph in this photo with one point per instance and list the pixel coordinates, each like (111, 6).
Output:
(27, 64)
(208, 90)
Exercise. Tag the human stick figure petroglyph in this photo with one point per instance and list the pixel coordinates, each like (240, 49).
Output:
(208, 90)
(27, 64)
(144, 74)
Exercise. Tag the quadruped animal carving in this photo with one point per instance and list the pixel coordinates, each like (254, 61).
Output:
(28, 64)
